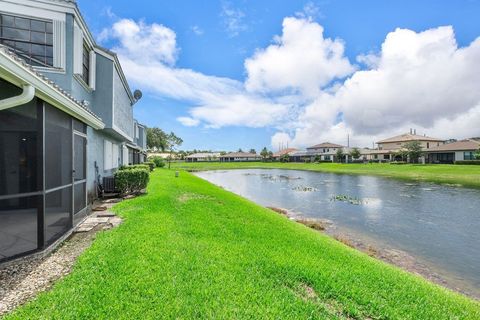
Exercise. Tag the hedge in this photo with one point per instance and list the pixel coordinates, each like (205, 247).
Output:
(472, 162)
(159, 162)
(135, 166)
(131, 180)
(398, 162)
(151, 164)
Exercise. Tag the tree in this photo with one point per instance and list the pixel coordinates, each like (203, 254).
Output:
(414, 150)
(253, 151)
(240, 150)
(264, 154)
(172, 142)
(355, 153)
(284, 158)
(157, 139)
(477, 154)
(339, 155)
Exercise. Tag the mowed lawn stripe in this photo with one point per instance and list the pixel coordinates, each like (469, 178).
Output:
(190, 249)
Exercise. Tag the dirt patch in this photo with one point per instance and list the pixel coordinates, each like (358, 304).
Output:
(314, 224)
(22, 280)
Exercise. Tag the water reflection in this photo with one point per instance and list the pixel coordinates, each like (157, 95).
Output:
(435, 222)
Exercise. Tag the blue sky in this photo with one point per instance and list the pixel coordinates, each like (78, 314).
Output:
(215, 38)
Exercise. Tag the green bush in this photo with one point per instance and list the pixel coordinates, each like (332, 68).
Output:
(151, 164)
(159, 162)
(323, 161)
(472, 162)
(398, 162)
(135, 166)
(131, 180)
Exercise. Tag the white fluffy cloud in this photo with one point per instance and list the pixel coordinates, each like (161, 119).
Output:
(421, 80)
(304, 86)
(301, 59)
(148, 54)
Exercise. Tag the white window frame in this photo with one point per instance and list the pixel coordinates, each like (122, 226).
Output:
(110, 155)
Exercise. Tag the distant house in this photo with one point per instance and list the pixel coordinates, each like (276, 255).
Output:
(455, 151)
(240, 157)
(326, 151)
(203, 157)
(288, 151)
(388, 148)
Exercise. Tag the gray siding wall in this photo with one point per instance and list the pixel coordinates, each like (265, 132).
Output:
(95, 154)
(103, 97)
(123, 109)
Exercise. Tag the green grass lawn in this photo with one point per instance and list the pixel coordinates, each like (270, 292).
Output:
(191, 250)
(465, 175)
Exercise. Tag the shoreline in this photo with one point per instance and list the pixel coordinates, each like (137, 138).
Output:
(380, 251)
(412, 172)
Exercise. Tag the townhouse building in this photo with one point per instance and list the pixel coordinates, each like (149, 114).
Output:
(66, 121)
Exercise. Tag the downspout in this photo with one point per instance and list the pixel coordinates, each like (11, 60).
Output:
(26, 96)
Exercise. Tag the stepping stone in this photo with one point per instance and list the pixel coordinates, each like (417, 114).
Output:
(96, 220)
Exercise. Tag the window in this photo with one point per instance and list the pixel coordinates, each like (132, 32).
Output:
(428, 145)
(111, 155)
(31, 39)
(468, 155)
(86, 64)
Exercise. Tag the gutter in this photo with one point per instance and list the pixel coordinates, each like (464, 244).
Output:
(26, 96)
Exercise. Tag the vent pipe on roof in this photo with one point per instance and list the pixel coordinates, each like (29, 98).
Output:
(26, 96)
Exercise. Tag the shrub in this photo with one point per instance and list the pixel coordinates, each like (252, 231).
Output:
(398, 162)
(151, 164)
(323, 161)
(132, 180)
(472, 162)
(135, 166)
(159, 162)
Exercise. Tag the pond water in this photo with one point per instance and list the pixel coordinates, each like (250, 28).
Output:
(436, 223)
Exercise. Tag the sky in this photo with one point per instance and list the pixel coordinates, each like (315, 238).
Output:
(225, 75)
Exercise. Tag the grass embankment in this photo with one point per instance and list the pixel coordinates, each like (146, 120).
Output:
(465, 175)
(191, 250)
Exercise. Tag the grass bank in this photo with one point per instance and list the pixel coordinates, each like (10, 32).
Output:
(191, 250)
(464, 175)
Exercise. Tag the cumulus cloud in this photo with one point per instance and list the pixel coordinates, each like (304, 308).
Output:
(148, 54)
(301, 59)
(422, 80)
(304, 85)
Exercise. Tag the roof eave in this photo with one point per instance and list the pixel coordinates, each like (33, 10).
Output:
(17, 74)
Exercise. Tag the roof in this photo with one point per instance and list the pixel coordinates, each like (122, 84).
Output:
(409, 137)
(463, 145)
(325, 145)
(15, 70)
(240, 155)
(284, 152)
(204, 155)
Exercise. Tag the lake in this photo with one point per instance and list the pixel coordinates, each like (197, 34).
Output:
(438, 224)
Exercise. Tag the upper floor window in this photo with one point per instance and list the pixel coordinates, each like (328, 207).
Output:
(86, 64)
(31, 39)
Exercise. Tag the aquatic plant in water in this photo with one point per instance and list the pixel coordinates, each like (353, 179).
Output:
(346, 198)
